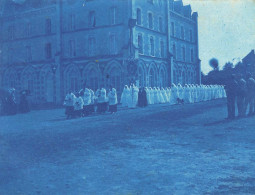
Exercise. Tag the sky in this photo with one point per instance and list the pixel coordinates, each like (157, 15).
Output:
(226, 29)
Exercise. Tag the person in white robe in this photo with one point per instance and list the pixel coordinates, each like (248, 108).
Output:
(174, 94)
(168, 91)
(151, 92)
(69, 104)
(164, 94)
(156, 96)
(102, 101)
(113, 100)
(187, 94)
(224, 92)
(78, 106)
(125, 96)
(133, 98)
(180, 91)
(86, 101)
(92, 104)
(161, 98)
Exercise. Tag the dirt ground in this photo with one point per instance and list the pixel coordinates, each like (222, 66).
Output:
(161, 149)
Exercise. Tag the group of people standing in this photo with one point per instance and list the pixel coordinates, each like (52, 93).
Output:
(241, 94)
(86, 102)
(132, 96)
(9, 104)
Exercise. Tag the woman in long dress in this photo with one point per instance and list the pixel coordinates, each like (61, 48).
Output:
(87, 102)
(113, 101)
(133, 98)
(174, 94)
(156, 96)
(180, 91)
(69, 104)
(187, 94)
(125, 96)
(151, 92)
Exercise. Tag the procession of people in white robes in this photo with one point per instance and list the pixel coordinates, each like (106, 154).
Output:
(86, 102)
(189, 93)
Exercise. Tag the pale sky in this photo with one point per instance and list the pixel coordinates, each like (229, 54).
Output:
(226, 29)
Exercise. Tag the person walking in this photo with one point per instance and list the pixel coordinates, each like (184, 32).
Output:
(231, 91)
(250, 95)
(241, 95)
(69, 104)
(113, 100)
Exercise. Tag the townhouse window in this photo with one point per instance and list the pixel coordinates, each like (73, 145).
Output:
(182, 32)
(152, 46)
(71, 22)
(113, 15)
(28, 54)
(174, 51)
(113, 44)
(162, 49)
(140, 43)
(190, 36)
(150, 18)
(172, 29)
(160, 23)
(92, 19)
(48, 54)
(11, 32)
(192, 55)
(91, 46)
(138, 16)
(183, 53)
(72, 50)
(48, 26)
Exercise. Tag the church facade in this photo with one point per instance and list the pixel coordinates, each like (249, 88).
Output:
(52, 46)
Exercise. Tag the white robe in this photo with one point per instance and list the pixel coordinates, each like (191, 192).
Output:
(180, 92)
(125, 97)
(133, 98)
(187, 95)
(78, 103)
(161, 98)
(112, 95)
(174, 95)
(69, 99)
(151, 92)
(156, 96)
(102, 98)
(87, 97)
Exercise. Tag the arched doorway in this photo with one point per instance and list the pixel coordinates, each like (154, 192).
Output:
(162, 78)
(10, 79)
(183, 78)
(28, 82)
(141, 76)
(114, 78)
(152, 78)
(72, 79)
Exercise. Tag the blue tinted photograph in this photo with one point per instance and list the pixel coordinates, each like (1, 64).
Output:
(127, 97)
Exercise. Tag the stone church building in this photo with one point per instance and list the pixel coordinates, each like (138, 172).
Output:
(52, 46)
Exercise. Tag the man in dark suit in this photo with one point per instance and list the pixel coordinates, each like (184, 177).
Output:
(231, 91)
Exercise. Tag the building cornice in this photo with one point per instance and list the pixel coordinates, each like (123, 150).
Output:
(30, 13)
(183, 18)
